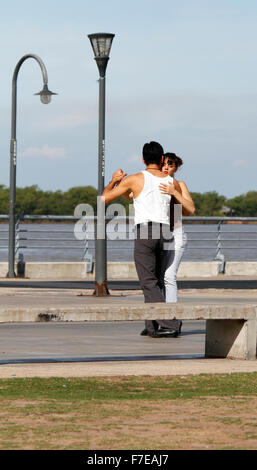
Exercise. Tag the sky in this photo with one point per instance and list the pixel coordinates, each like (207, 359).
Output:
(181, 72)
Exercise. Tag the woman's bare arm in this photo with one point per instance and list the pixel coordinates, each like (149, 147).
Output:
(189, 207)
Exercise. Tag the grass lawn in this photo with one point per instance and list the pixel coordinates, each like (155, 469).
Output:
(186, 412)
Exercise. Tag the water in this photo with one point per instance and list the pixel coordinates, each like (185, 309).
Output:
(239, 243)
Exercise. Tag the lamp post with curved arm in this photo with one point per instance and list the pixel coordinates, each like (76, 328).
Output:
(45, 96)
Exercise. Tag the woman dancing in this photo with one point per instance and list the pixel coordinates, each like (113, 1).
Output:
(170, 166)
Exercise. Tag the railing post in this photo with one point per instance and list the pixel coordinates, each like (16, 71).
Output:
(220, 256)
(86, 255)
(17, 238)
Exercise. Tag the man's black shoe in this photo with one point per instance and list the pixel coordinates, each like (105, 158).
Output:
(165, 333)
(147, 332)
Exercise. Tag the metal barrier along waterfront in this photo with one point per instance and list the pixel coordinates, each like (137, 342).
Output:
(37, 234)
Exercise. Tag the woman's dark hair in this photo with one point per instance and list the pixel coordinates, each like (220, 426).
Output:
(173, 158)
(152, 153)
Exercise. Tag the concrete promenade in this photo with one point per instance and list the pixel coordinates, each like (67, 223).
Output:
(180, 356)
(126, 270)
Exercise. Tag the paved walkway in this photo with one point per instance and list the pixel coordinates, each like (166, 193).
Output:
(31, 297)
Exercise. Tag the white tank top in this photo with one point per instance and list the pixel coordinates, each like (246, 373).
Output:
(151, 205)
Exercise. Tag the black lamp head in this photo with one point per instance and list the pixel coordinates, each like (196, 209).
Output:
(101, 44)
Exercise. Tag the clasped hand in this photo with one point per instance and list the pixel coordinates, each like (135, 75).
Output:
(167, 188)
(118, 176)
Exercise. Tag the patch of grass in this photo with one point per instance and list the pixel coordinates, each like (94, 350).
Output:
(249, 435)
(129, 388)
(226, 420)
(129, 412)
(253, 425)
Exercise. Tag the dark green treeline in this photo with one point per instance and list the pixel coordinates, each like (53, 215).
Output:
(32, 200)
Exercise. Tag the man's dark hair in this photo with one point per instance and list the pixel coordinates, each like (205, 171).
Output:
(173, 158)
(152, 153)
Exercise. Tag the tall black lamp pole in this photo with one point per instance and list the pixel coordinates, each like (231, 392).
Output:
(101, 44)
(45, 96)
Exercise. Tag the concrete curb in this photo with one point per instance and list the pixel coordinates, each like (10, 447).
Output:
(129, 368)
(127, 270)
(129, 312)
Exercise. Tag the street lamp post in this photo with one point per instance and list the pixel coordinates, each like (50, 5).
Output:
(45, 96)
(101, 44)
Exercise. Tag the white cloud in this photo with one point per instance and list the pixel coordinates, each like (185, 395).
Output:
(71, 119)
(238, 163)
(45, 152)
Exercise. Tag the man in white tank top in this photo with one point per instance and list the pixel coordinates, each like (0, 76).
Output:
(152, 224)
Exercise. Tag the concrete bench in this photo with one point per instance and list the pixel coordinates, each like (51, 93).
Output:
(230, 328)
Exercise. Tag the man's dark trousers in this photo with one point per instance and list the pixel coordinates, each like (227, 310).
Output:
(151, 254)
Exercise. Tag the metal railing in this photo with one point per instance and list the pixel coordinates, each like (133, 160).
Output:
(23, 237)
(59, 240)
(221, 221)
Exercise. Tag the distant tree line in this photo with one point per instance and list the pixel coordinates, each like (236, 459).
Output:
(214, 204)
(32, 200)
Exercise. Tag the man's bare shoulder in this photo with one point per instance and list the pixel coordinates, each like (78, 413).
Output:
(136, 178)
(133, 183)
(136, 175)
